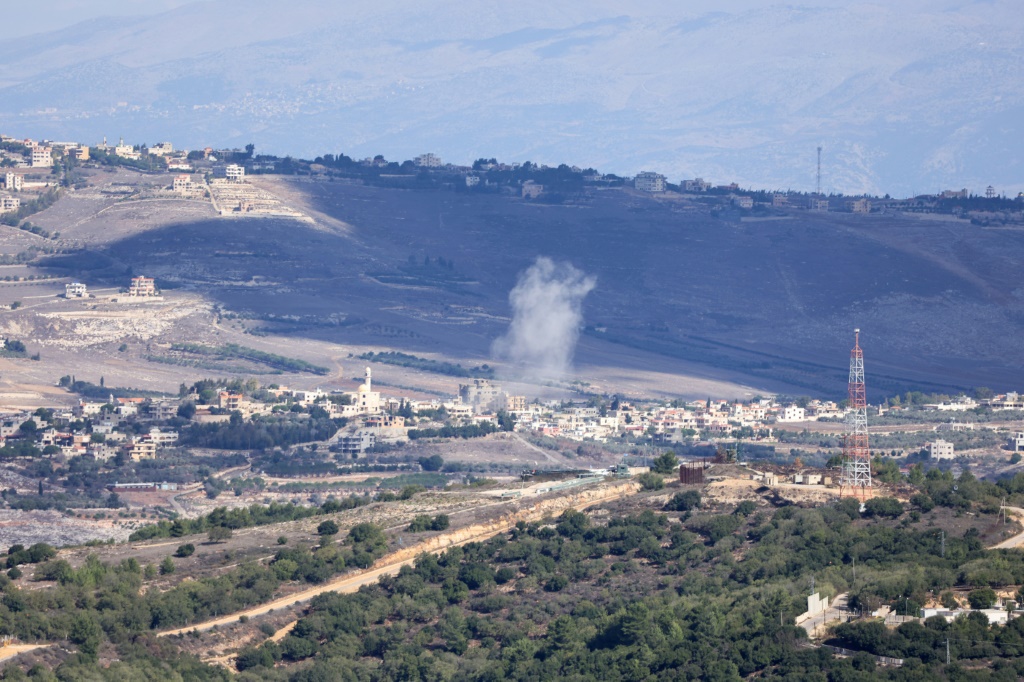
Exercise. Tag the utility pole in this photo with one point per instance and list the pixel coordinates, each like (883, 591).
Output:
(854, 570)
(947, 651)
(943, 544)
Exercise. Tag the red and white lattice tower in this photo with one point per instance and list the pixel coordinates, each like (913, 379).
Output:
(855, 480)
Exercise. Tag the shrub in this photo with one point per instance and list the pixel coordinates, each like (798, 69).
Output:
(883, 506)
(185, 550)
(684, 501)
(651, 481)
(556, 584)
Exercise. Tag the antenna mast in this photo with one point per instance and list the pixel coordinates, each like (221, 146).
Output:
(856, 475)
(819, 171)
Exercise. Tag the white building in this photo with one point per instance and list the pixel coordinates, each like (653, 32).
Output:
(9, 204)
(1017, 441)
(126, 151)
(75, 290)
(428, 160)
(161, 149)
(647, 181)
(791, 413)
(696, 185)
(234, 173)
(472, 180)
(13, 182)
(940, 449)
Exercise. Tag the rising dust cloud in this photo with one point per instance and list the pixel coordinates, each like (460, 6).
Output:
(546, 316)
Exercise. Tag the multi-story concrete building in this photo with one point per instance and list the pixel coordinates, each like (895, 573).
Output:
(161, 149)
(138, 449)
(142, 286)
(859, 206)
(75, 290)
(532, 190)
(357, 443)
(647, 181)
(940, 449)
(8, 203)
(428, 160)
(515, 403)
(791, 413)
(230, 401)
(42, 157)
(13, 182)
(234, 173)
(696, 185)
(481, 394)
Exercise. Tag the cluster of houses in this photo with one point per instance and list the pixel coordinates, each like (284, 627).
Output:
(709, 418)
(105, 437)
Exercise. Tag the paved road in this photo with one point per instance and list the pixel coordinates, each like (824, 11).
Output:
(836, 612)
(1018, 539)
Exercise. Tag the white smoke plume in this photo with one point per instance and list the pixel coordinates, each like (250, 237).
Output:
(546, 315)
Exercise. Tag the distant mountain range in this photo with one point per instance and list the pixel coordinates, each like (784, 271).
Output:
(909, 97)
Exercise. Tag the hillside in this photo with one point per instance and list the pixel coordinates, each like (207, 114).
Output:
(769, 302)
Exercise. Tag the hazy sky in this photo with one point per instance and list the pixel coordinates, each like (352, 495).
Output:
(39, 16)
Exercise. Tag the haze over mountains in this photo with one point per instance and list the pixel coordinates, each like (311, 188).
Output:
(906, 98)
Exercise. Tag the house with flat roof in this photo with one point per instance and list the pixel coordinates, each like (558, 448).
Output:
(8, 203)
(142, 286)
(646, 181)
(75, 290)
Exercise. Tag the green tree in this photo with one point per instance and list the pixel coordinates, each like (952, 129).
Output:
(982, 598)
(185, 550)
(666, 463)
(432, 463)
(327, 528)
(167, 566)
(219, 534)
(86, 633)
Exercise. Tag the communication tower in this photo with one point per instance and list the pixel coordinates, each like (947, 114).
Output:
(855, 480)
(819, 172)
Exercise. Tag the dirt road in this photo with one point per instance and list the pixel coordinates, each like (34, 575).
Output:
(392, 563)
(12, 650)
